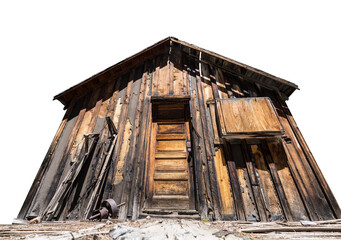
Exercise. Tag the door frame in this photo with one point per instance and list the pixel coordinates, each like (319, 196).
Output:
(168, 100)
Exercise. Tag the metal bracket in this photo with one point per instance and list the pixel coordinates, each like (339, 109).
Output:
(287, 139)
(188, 146)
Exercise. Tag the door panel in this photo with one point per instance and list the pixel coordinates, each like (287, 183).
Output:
(170, 186)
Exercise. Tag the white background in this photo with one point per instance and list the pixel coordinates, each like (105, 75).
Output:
(49, 46)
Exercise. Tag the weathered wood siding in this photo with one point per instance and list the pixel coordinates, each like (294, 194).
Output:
(263, 180)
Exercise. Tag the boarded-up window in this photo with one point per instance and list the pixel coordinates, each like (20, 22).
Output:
(246, 117)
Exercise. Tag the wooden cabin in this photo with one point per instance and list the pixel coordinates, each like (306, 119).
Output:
(176, 130)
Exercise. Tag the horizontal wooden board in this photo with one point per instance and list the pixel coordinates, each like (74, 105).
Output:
(170, 203)
(170, 145)
(171, 137)
(170, 155)
(170, 176)
(165, 188)
(171, 128)
(171, 165)
(248, 116)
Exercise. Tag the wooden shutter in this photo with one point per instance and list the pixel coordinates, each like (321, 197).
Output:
(248, 117)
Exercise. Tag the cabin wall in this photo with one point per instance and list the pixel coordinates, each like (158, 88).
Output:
(276, 179)
(299, 194)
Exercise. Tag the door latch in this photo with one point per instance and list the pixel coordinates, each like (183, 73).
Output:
(188, 146)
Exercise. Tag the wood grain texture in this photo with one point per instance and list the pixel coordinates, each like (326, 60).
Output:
(256, 187)
(168, 167)
(235, 183)
(245, 184)
(249, 115)
(242, 161)
(224, 183)
(272, 203)
(37, 180)
(324, 185)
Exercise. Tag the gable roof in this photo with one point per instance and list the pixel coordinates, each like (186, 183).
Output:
(233, 67)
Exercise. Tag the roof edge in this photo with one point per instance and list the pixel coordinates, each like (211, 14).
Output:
(183, 43)
(58, 96)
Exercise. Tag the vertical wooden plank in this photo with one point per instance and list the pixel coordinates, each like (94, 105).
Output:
(177, 73)
(151, 164)
(37, 180)
(213, 83)
(86, 125)
(123, 133)
(192, 191)
(295, 204)
(278, 184)
(185, 74)
(206, 83)
(76, 153)
(109, 190)
(213, 116)
(322, 181)
(245, 185)
(170, 64)
(209, 161)
(221, 122)
(227, 80)
(163, 81)
(60, 170)
(235, 184)
(296, 172)
(197, 141)
(134, 114)
(145, 162)
(227, 208)
(156, 76)
(236, 87)
(220, 83)
(113, 112)
(267, 187)
(141, 143)
(99, 152)
(308, 186)
(256, 188)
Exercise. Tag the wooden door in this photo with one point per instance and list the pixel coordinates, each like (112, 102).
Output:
(170, 184)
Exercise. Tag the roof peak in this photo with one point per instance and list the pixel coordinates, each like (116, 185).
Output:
(194, 51)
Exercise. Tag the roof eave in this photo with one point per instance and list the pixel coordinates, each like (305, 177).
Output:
(291, 87)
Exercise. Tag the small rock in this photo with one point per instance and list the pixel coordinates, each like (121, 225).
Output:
(148, 217)
(117, 231)
(221, 233)
(308, 223)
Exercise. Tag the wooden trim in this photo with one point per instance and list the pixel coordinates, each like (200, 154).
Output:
(170, 98)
